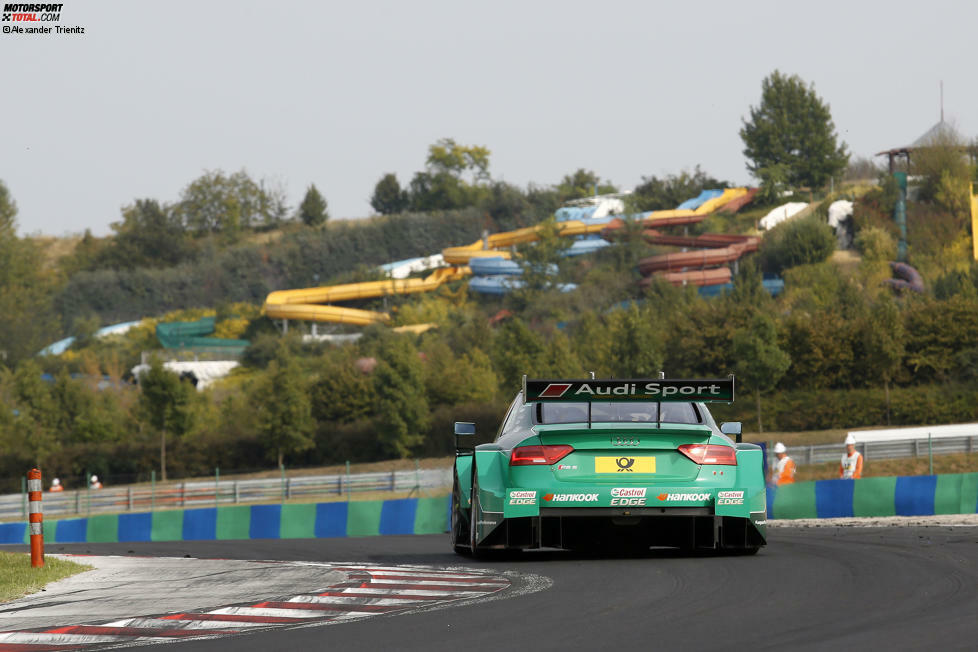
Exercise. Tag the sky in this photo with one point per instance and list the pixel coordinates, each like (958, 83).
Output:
(154, 93)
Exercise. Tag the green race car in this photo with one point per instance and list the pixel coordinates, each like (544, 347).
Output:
(610, 464)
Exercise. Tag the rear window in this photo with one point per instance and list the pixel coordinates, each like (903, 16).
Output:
(624, 412)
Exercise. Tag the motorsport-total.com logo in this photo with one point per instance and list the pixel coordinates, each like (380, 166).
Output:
(26, 16)
(31, 13)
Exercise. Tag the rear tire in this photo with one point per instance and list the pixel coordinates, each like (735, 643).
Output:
(475, 513)
(460, 522)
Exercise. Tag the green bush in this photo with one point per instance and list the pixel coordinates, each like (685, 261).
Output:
(802, 241)
(876, 244)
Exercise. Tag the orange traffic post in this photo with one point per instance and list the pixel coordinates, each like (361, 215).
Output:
(35, 518)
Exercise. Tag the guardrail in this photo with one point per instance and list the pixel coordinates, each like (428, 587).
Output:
(224, 492)
(885, 450)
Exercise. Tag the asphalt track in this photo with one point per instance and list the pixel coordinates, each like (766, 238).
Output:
(811, 588)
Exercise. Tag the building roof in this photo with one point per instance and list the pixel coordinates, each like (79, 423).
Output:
(940, 131)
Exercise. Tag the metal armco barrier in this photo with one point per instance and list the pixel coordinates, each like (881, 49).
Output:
(82, 502)
(36, 518)
(915, 495)
(426, 515)
(884, 450)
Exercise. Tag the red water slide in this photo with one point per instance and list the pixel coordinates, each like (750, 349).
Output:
(716, 276)
(701, 259)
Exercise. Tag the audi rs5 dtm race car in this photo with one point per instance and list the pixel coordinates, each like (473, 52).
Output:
(583, 464)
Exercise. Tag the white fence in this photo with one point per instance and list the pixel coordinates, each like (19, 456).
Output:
(225, 492)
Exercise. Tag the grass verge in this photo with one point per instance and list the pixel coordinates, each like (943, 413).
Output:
(18, 579)
(800, 438)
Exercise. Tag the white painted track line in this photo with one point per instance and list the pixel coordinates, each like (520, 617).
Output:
(335, 599)
(461, 585)
(418, 592)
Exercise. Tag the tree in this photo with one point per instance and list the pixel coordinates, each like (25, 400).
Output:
(657, 194)
(582, 183)
(511, 207)
(439, 192)
(166, 402)
(448, 157)
(540, 262)
(285, 420)
(26, 286)
(388, 196)
(8, 212)
(312, 210)
(792, 132)
(456, 379)
(759, 361)
(883, 343)
(516, 350)
(637, 347)
(443, 184)
(149, 235)
(402, 406)
(216, 202)
(343, 393)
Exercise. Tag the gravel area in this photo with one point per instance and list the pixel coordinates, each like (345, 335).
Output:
(941, 520)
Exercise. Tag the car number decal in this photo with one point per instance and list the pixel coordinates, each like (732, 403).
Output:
(624, 464)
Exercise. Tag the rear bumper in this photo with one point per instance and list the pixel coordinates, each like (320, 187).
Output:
(691, 516)
(597, 512)
(690, 528)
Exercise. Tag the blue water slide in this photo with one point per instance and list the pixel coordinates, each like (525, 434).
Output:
(569, 213)
(387, 267)
(774, 287)
(702, 198)
(61, 346)
(494, 266)
(588, 246)
(504, 284)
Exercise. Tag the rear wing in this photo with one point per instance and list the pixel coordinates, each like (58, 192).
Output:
(633, 389)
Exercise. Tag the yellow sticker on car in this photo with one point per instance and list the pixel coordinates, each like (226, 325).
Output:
(624, 464)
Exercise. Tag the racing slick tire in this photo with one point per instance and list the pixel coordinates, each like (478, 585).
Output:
(475, 513)
(460, 522)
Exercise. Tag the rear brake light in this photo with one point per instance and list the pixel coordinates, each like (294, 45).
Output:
(528, 455)
(710, 454)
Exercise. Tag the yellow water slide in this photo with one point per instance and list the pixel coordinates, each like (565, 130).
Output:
(308, 304)
(491, 245)
(974, 219)
(707, 207)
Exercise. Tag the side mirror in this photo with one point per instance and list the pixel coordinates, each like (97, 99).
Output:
(464, 429)
(733, 428)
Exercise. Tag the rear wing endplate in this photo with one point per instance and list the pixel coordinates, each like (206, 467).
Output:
(633, 389)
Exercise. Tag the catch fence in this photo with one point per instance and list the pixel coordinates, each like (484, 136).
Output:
(211, 493)
(886, 450)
